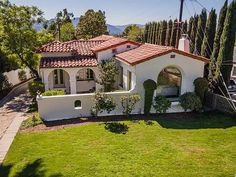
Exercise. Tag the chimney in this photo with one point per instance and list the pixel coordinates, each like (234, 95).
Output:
(184, 43)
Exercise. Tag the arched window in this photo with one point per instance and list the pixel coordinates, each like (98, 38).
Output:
(78, 104)
(169, 82)
(85, 74)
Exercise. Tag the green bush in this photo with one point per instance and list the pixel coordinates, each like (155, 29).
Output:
(22, 75)
(149, 86)
(201, 87)
(103, 102)
(32, 121)
(161, 104)
(128, 103)
(36, 87)
(190, 101)
(53, 92)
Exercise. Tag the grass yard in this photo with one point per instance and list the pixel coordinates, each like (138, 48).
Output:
(200, 145)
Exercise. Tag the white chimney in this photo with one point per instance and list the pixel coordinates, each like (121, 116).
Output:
(184, 43)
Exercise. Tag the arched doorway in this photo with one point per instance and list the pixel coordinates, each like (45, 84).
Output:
(169, 82)
(85, 81)
(59, 79)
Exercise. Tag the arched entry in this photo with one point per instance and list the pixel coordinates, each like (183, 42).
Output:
(169, 82)
(85, 81)
(59, 79)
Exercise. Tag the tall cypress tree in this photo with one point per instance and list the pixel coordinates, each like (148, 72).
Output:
(208, 41)
(145, 36)
(227, 41)
(173, 34)
(154, 32)
(185, 27)
(163, 32)
(157, 33)
(168, 33)
(190, 24)
(200, 31)
(193, 33)
(220, 28)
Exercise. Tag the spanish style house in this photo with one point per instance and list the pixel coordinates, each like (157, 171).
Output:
(72, 66)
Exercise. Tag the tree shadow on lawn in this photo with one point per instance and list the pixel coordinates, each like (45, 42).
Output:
(34, 169)
(116, 127)
(197, 121)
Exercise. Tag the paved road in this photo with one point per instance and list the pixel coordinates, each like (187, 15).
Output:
(14, 108)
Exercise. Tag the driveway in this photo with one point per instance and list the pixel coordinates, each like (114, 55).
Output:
(14, 108)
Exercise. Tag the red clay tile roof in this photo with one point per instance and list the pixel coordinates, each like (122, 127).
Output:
(68, 62)
(111, 43)
(102, 38)
(149, 51)
(80, 47)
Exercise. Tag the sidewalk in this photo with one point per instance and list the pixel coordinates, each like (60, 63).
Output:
(9, 135)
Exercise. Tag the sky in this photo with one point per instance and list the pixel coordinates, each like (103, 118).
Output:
(122, 12)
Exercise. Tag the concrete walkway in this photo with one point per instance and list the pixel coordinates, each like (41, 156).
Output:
(11, 116)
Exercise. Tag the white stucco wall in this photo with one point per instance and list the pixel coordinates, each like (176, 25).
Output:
(13, 78)
(107, 54)
(190, 70)
(62, 107)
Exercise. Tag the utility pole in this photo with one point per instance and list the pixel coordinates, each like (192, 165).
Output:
(179, 25)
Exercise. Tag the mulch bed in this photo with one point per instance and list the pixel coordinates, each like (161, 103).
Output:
(61, 124)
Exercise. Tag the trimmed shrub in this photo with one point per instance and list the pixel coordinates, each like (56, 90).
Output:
(128, 103)
(22, 75)
(53, 92)
(161, 104)
(36, 87)
(149, 86)
(103, 102)
(190, 101)
(201, 87)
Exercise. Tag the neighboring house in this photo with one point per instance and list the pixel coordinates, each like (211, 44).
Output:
(72, 66)
(234, 64)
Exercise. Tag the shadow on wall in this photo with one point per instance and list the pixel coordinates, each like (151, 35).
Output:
(34, 169)
(197, 121)
(116, 127)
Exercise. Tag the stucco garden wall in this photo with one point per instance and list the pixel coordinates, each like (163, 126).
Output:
(190, 70)
(62, 107)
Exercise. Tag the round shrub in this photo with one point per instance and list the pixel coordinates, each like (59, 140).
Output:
(103, 102)
(190, 101)
(36, 87)
(149, 86)
(161, 104)
(201, 87)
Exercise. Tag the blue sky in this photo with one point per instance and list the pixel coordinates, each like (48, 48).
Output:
(120, 12)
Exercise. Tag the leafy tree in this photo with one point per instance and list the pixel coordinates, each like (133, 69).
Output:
(20, 40)
(134, 33)
(208, 41)
(67, 32)
(174, 34)
(128, 29)
(225, 57)
(92, 24)
(200, 31)
(168, 33)
(108, 71)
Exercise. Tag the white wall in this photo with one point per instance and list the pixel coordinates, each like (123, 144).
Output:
(190, 70)
(13, 76)
(62, 107)
(107, 54)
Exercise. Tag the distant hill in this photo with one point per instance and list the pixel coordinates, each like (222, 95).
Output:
(113, 29)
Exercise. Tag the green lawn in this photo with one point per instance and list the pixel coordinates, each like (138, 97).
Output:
(204, 145)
